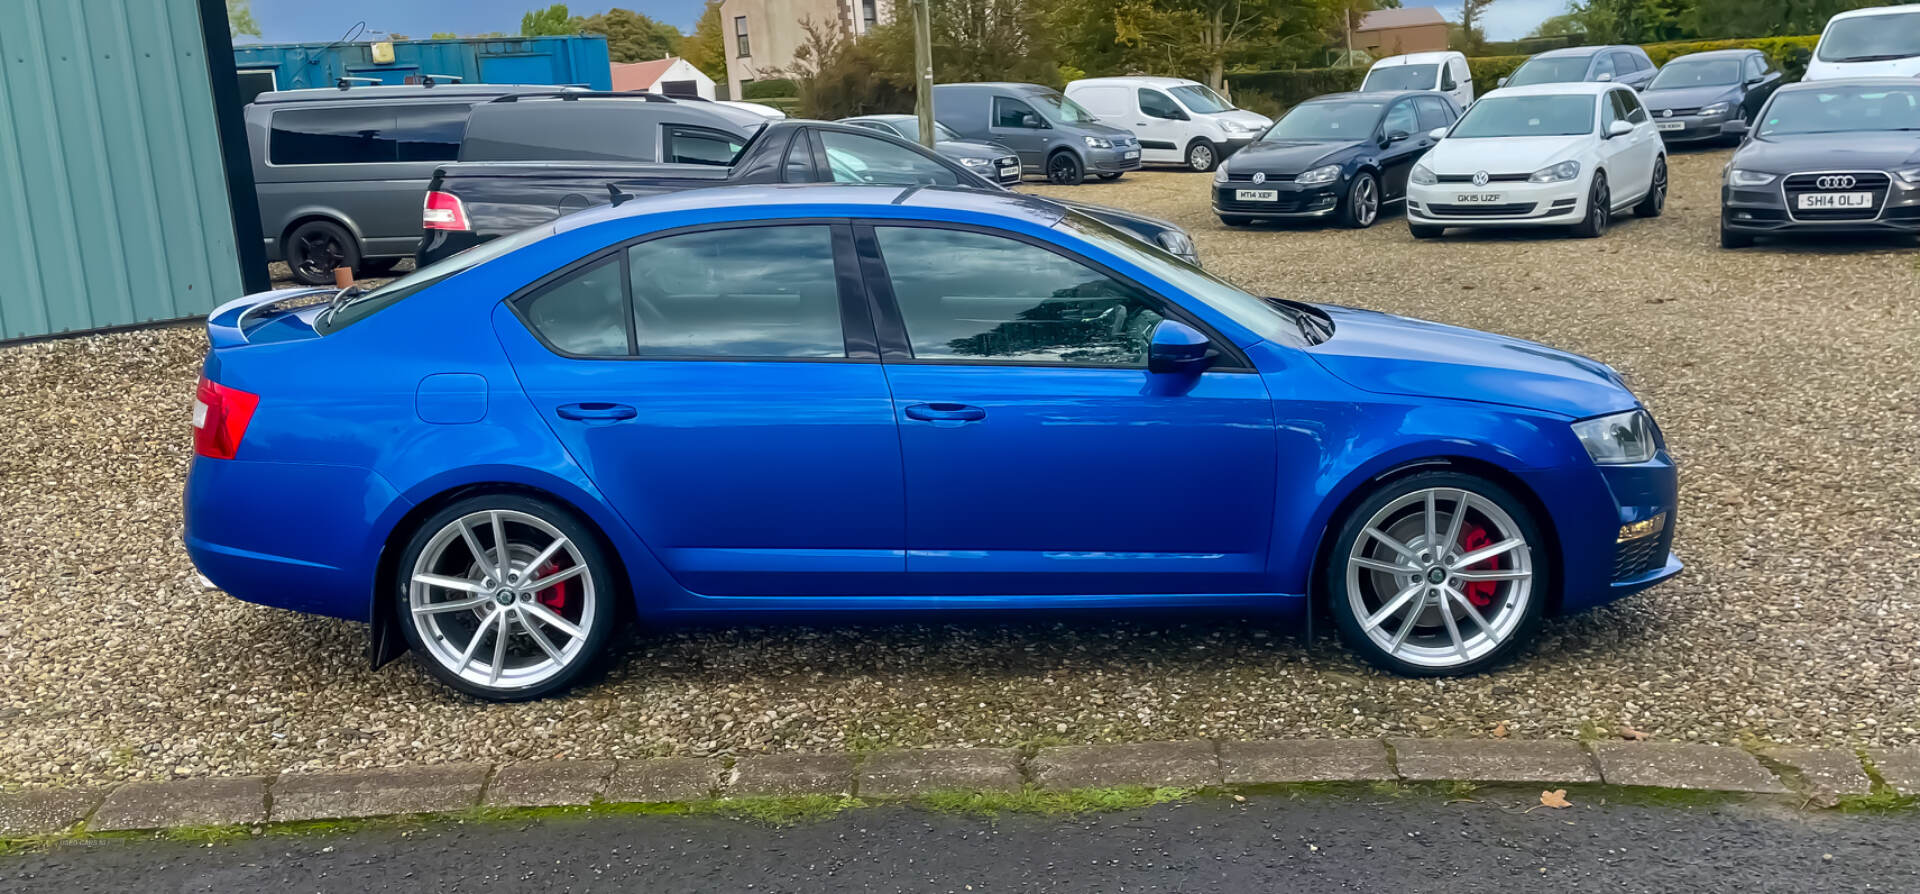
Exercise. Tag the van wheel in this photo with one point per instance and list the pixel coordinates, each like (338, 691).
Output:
(1201, 156)
(316, 247)
(1063, 169)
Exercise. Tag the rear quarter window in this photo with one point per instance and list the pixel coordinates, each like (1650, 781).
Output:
(354, 134)
(554, 130)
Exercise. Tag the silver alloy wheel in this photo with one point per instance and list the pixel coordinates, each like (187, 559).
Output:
(1366, 201)
(481, 602)
(1410, 568)
(1660, 185)
(1200, 157)
(1600, 205)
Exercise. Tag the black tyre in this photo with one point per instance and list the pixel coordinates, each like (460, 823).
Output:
(1424, 231)
(1733, 239)
(1437, 574)
(1656, 198)
(1599, 209)
(316, 247)
(506, 597)
(1202, 155)
(1360, 207)
(1063, 169)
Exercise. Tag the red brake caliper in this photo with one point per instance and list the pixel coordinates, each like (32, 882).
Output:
(1480, 593)
(554, 597)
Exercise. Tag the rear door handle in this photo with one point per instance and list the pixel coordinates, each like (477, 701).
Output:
(596, 412)
(945, 413)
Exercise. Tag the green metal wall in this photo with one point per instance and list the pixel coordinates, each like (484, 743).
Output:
(114, 206)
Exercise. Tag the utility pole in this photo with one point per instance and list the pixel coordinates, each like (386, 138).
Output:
(923, 68)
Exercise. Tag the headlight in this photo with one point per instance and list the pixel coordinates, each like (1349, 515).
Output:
(1619, 438)
(1098, 143)
(1737, 177)
(1322, 174)
(976, 162)
(1238, 127)
(1910, 175)
(1713, 111)
(1178, 244)
(1422, 176)
(1564, 171)
(1220, 173)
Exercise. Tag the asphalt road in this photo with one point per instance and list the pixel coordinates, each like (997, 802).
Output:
(1267, 843)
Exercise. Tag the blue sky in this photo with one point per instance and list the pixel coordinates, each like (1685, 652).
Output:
(299, 21)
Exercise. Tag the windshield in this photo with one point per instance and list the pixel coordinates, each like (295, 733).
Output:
(1198, 98)
(1062, 109)
(385, 296)
(1265, 319)
(910, 128)
(1698, 73)
(1401, 77)
(1550, 70)
(1837, 109)
(1870, 38)
(1326, 121)
(1560, 115)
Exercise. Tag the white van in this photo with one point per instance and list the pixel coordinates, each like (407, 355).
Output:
(1446, 72)
(1883, 41)
(1178, 121)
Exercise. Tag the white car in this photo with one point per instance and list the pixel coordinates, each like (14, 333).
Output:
(1444, 71)
(1178, 121)
(1883, 41)
(1547, 155)
(761, 109)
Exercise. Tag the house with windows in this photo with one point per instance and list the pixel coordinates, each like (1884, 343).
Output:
(1393, 32)
(762, 36)
(667, 76)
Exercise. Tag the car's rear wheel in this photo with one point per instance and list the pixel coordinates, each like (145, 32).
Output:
(506, 598)
(1437, 574)
(1599, 209)
(1656, 198)
(1361, 206)
(1201, 156)
(1063, 169)
(316, 247)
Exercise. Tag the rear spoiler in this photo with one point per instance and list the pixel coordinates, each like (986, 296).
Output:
(227, 324)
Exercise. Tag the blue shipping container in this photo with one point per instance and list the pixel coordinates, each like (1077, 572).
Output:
(578, 59)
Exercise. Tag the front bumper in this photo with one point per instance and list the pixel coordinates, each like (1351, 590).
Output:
(1113, 161)
(1765, 210)
(1234, 144)
(1589, 509)
(1291, 200)
(1693, 128)
(1504, 204)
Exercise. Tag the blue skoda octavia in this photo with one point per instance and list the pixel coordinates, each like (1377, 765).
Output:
(754, 402)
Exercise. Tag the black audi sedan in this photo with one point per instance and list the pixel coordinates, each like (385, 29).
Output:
(1709, 96)
(1342, 156)
(1827, 156)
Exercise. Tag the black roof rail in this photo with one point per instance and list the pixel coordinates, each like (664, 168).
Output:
(571, 95)
(345, 83)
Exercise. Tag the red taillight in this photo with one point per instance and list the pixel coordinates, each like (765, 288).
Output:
(220, 417)
(444, 212)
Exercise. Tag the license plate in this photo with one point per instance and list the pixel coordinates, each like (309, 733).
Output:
(1820, 201)
(1256, 195)
(1671, 125)
(1132, 154)
(1009, 170)
(1478, 198)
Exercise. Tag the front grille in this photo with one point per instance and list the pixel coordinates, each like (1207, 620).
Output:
(1007, 161)
(1511, 209)
(1875, 182)
(1644, 555)
(1676, 112)
(1247, 176)
(1491, 178)
(1123, 142)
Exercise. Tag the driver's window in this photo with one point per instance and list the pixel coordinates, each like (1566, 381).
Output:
(1603, 65)
(1446, 77)
(1756, 67)
(858, 158)
(1636, 112)
(1155, 104)
(1616, 108)
(1009, 112)
(1401, 119)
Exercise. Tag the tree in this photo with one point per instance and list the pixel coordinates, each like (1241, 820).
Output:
(631, 36)
(240, 19)
(1200, 38)
(1471, 33)
(443, 35)
(1556, 26)
(839, 76)
(706, 48)
(1633, 21)
(1764, 18)
(553, 20)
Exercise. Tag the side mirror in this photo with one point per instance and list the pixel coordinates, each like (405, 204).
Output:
(1177, 348)
(1502, 82)
(1029, 119)
(1438, 133)
(1604, 77)
(1397, 136)
(1756, 79)
(1618, 129)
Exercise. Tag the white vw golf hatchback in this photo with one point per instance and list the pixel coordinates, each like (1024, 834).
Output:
(1545, 155)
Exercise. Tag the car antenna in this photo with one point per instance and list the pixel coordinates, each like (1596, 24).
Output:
(616, 196)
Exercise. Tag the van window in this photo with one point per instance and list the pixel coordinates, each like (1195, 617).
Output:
(1010, 112)
(1155, 104)
(699, 146)
(1401, 77)
(1200, 98)
(353, 134)
(430, 132)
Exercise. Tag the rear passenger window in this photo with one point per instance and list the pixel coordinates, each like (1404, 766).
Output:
(583, 314)
(755, 292)
(699, 146)
(429, 133)
(358, 134)
(1434, 112)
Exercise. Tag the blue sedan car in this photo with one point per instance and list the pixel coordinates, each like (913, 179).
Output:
(761, 402)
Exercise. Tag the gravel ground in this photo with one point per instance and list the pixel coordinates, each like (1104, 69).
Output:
(1786, 378)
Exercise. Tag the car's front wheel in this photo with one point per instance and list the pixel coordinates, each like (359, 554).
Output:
(1361, 206)
(1437, 574)
(1599, 209)
(505, 597)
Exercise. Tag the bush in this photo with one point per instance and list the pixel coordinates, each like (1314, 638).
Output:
(1488, 70)
(771, 88)
(1789, 54)
(1282, 90)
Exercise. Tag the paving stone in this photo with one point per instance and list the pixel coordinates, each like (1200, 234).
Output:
(1679, 765)
(182, 802)
(44, 812)
(791, 774)
(1142, 763)
(437, 788)
(1306, 760)
(903, 774)
(662, 779)
(1493, 760)
(549, 783)
(1830, 773)
(1899, 767)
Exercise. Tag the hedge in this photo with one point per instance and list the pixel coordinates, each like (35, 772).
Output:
(771, 88)
(1272, 92)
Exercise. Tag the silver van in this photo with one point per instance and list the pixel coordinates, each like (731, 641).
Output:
(341, 173)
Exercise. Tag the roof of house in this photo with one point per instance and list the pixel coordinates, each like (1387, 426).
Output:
(640, 75)
(1400, 18)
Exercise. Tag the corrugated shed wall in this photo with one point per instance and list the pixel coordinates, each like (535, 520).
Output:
(113, 198)
(577, 59)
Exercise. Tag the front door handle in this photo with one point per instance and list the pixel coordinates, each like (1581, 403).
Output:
(596, 412)
(945, 413)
